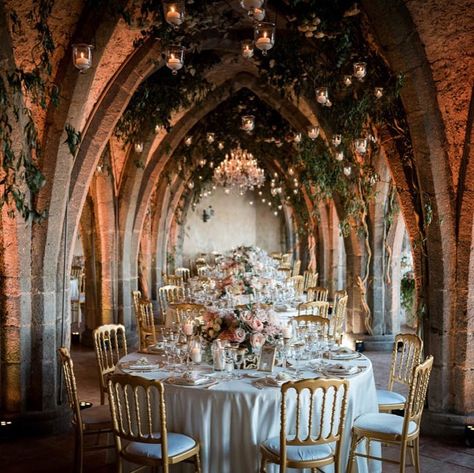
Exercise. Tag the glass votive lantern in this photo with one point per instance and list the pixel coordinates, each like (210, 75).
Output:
(258, 14)
(264, 36)
(247, 48)
(378, 92)
(202, 162)
(360, 70)
(360, 145)
(190, 185)
(175, 58)
(313, 132)
(347, 170)
(248, 123)
(220, 145)
(322, 95)
(138, 147)
(188, 141)
(297, 138)
(336, 140)
(250, 4)
(174, 13)
(210, 137)
(82, 56)
(340, 156)
(347, 80)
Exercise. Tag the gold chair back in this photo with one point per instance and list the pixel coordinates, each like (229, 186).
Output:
(285, 271)
(168, 294)
(417, 395)
(276, 255)
(146, 325)
(188, 311)
(296, 268)
(317, 293)
(320, 308)
(173, 280)
(406, 354)
(286, 260)
(202, 271)
(110, 344)
(323, 322)
(298, 284)
(329, 398)
(70, 383)
(185, 273)
(338, 295)
(310, 280)
(136, 296)
(338, 318)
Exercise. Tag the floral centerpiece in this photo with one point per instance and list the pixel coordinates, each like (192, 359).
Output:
(248, 327)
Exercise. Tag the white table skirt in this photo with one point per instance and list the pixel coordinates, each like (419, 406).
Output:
(231, 419)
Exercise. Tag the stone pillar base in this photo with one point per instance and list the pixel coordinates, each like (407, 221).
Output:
(377, 342)
(39, 423)
(445, 424)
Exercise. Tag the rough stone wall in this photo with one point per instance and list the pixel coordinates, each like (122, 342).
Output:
(446, 29)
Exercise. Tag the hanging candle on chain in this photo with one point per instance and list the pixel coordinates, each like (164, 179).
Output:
(174, 13)
(360, 70)
(313, 132)
(360, 145)
(82, 56)
(265, 36)
(322, 95)
(248, 123)
(247, 48)
(250, 4)
(174, 57)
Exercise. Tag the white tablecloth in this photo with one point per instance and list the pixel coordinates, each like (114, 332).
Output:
(231, 419)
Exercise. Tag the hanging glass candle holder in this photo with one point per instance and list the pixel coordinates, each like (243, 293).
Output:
(378, 92)
(247, 48)
(249, 4)
(360, 70)
(202, 162)
(157, 128)
(190, 185)
(258, 14)
(313, 132)
(360, 145)
(188, 141)
(248, 123)
(82, 56)
(138, 147)
(322, 95)
(210, 137)
(174, 13)
(336, 140)
(297, 139)
(340, 156)
(175, 58)
(264, 36)
(347, 80)
(220, 145)
(347, 170)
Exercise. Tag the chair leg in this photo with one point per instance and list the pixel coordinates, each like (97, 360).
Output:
(416, 454)
(403, 455)
(78, 453)
(102, 396)
(352, 453)
(197, 463)
(119, 464)
(263, 465)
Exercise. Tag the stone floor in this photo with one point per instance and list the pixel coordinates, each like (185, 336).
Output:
(55, 453)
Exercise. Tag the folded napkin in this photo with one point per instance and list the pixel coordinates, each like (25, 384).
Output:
(188, 381)
(280, 307)
(135, 366)
(342, 353)
(275, 381)
(340, 369)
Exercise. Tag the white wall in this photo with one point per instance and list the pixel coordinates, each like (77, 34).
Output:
(235, 222)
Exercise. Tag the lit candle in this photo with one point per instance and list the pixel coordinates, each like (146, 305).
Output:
(247, 52)
(173, 17)
(287, 332)
(188, 328)
(264, 42)
(82, 60)
(196, 356)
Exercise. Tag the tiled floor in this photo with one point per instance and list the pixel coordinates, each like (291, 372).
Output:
(55, 454)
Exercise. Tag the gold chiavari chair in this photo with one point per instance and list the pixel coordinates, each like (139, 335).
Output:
(320, 308)
(286, 260)
(276, 255)
(298, 284)
(296, 268)
(393, 429)
(322, 322)
(303, 441)
(136, 297)
(173, 280)
(186, 311)
(110, 344)
(91, 421)
(338, 295)
(185, 273)
(285, 271)
(168, 294)
(406, 354)
(146, 325)
(317, 293)
(202, 271)
(310, 280)
(140, 431)
(338, 318)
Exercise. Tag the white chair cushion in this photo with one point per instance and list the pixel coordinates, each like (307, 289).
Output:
(177, 444)
(383, 423)
(96, 415)
(300, 452)
(389, 397)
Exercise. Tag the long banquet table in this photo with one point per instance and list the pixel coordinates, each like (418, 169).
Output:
(231, 418)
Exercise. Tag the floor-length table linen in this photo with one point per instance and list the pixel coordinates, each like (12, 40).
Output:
(232, 418)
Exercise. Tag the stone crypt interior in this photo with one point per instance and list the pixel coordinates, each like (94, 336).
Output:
(115, 117)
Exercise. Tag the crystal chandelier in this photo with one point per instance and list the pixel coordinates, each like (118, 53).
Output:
(240, 169)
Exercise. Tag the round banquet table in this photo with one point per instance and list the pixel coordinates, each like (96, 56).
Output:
(230, 419)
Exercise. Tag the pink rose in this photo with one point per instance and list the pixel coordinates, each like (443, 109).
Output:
(257, 339)
(256, 324)
(239, 335)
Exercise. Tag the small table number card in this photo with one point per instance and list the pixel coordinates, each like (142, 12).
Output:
(267, 358)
